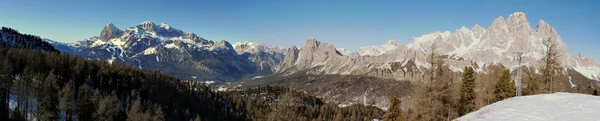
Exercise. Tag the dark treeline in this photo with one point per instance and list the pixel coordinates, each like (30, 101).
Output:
(12, 38)
(50, 86)
(267, 103)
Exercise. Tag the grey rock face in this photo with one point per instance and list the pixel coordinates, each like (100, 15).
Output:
(110, 31)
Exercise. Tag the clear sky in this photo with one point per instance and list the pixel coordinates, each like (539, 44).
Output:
(344, 23)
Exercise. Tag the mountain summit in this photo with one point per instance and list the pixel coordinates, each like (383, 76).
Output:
(183, 54)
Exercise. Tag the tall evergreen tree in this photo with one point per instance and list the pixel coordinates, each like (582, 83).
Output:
(504, 88)
(108, 108)
(85, 105)
(157, 113)
(551, 67)
(136, 113)
(467, 92)
(532, 83)
(394, 112)
(5, 87)
(66, 101)
(48, 102)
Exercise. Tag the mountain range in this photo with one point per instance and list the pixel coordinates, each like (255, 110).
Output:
(478, 47)
(182, 54)
(189, 56)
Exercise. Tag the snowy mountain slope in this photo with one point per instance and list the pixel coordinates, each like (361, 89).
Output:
(265, 57)
(378, 50)
(164, 48)
(544, 107)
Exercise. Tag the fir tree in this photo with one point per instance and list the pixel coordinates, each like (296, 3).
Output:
(532, 83)
(504, 88)
(467, 92)
(48, 109)
(85, 106)
(394, 112)
(157, 113)
(551, 66)
(66, 99)
(108, 108)
(136, 112)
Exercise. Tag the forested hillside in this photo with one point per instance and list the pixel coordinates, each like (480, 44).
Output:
(47, 85)
(12, 38)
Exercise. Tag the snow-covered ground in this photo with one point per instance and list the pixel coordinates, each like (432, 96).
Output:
(544, 107)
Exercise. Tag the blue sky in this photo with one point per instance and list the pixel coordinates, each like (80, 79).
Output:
(344, 23)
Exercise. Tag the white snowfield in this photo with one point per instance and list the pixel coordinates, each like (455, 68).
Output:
(544, 107)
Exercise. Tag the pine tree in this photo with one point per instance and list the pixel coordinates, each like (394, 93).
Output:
(136, 112)
(467, 92)
(5, 87)
(85, 105)
(108, 108)
(551, 65)
(157, 113)
(532, 83)
(48, 102)
(67, 102)
(504, 88)
(394, 112)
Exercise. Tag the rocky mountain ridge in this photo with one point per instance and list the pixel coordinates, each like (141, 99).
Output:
(182, 54)
(497, 44)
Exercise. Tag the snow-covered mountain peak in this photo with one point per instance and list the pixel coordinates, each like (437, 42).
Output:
(477, 27)
(377, 50)
(518, 14)
(498, 44)
(545, 28)
(255, 47)
(111, 26)
(500, 21)
(392, 42)
(165, 25)
(518, 21)
(165, 48)
(147, 23)
(463, 29)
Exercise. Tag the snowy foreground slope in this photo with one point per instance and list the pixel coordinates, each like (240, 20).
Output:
(543, 107)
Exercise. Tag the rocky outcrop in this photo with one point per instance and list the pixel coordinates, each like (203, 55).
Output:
(110, 31)
(322, 58)
(291, 55)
